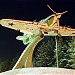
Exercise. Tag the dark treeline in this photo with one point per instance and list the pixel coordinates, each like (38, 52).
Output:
(45, 56)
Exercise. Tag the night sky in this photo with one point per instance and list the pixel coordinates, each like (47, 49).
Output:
(29, 10)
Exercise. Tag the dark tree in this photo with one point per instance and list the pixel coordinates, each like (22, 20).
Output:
(45, 56)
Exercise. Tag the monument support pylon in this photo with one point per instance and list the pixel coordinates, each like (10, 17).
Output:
(25, 59)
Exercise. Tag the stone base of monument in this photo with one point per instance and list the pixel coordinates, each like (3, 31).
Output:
(40, 71)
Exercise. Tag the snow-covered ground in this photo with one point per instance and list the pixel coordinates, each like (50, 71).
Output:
(40, 71)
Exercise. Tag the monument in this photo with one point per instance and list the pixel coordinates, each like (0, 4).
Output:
(34, 32)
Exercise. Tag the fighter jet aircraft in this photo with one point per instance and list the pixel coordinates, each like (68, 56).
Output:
(46, 27)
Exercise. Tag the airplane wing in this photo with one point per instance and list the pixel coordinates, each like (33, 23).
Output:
(22, 26)
(64, 31)
(29, 27)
